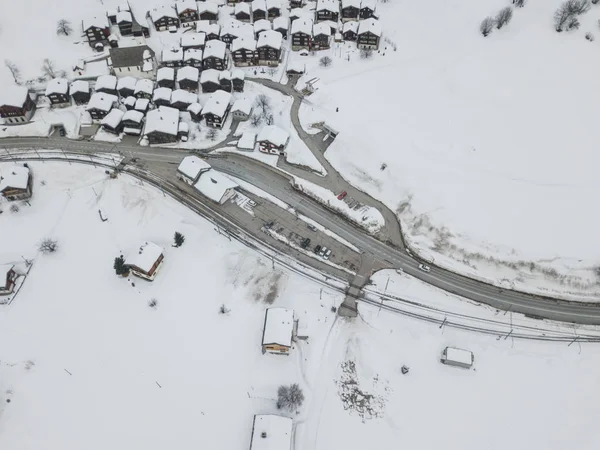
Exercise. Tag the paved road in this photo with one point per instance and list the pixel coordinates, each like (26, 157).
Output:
(276, 183)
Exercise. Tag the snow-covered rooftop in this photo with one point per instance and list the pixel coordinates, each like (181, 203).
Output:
(215, 48)
(208, 6)
(270, 38)
(350, 26)
(347, 3)
(188, 73)
(368, 4)
(130, 101)
(164, 119)
(165, 73)
(193, 53)
(217, 103)
(184, 5)
(214, 185)
(191, 166)
(113, 118)
(298, 12)
(102, 101)
(295, 66)
(126, 83)
(144, 85)
(4, 271)
(459, 355)
(183, 127)
(238, 74)
(224, 75)
(273, 4)
(237, 28)
(328, 5)
(204, 26)
(96, 21)
(302, 25)
(321, 28)
(124, 16)
(242, 7)
(247, 141)
(15, 177)
(243, 105)
(279, 325)
(193, 39)
(183, 96)
(259, 5)
(13, 96)
(57, 86)
(172, 54)
(274, 135)
(370, 26)
(261, 25)
(106, 82)
(80, 86)
(195, 108)
(145, 256)
(211, 75)
(133, 115)
(141, 104)
(271, 432)
(163, 11)
(246, 43)
(281, 23)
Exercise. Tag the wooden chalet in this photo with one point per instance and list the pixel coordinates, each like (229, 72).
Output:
(16, 105)
(142, 105)
(181, 99)
(301, 33)
(350, 10)
(8, 279)
(187, 12)
(133, 122)
(243, 52)
(242, 12)
(125, 23)
(211, 30)
(237, 80)
(172, 57)
(209, 80)
(113, 121)
(143, 89)
(193, 58)
(188, 77)
(208, 10)
(16, 183)
(165, 77)
(214, 56)
(195, 110)
(217, 109)
(273, 140)
(327, 10)
(164, 18)
(162, 96)
(126, 86)
(162, 125)
(129, 102)
(367, 9)
(57, 91)
(146, 261)
(96, 30)
(80, 92)
(321, 36)
(225, 81)
(273, 8)
(268, 48)
(350, 30)
(106, 84)
(260, 26)
(259, 10)
(195, 40)
(281, 25)
(369, 34)
(100, 104)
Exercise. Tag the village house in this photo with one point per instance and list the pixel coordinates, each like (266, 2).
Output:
(188, 77)
(113, 41)
(146, 261)
(16, 183)
(209, 80)
(165, 77)
(80, 91)
(214, 55)
(212, 31)
(259, 10)
(195, 110)
(142, 105)
(125, 23)
(193, 57)
(100, 104)
(217, 108)
(273, 8)
(234, 29)
(162, 96)
(140, 29)
(113, 121)
(294, 70)
(216, 186)
(172, 57)
(143, 89)
(278, 331)
(247, 141)
(301, 33)
(321, 36)
(133, 122)
(208, 10)
(296, 4)
(350, 30)
(272, 140)
(327, 10)
(162, 125)
(96, 30)
(271, 432)
(129, 102)
(194, 40)
(106, 84)
(268, 48)
(190, 169)
(242, 12)
(281, 25)
(16, 105)
(296, 13)
(164, 18)
(369, 34)
(57, 91)
(187, 12)
(181, 99)
(260, 26)
(183, 131)
(138, 61)
(367, 9)
(126, 86)
(243, 51)
(225, 81)
(112, 15)
(237, 80)
(8, 279)
(350, 10)
(241, 109)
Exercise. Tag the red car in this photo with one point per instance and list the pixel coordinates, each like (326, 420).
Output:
(342, 195)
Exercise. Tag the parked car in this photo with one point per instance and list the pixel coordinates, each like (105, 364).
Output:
(327, 253)
(305, 243)
(317, 249)
(251, 203)
(342, 195)
(323, 251)
(311, 227)
(424, 268)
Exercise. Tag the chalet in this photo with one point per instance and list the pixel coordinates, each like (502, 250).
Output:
(295, 4)
(146, 261)
(212, 31)
(243, 51)
(106, 84)
(209, 80)
(125, 23)
(333, 26)
(80, 91)
(187, 12)
(350, 30)
(16, 105)
(295, 13)
(193, 40)
(321, 36)
(208, 11)
(113, 121)
(187, 78)
(369, 34)
(273, 8)
(162, 125)
(8, 279)
(162, 96)
(217, 108)
(57, 91)
(16, 183)
(181, 99)
(225, 81)
(126, 86)
(268, 48)
(183, 131)
(278, 331)
(327, 10)
(242, 12)
(214, 55)
(165, 77)
(112, 16)
(191, 168)
(136, 61)
(350, 10)
(260, 26)
(142, 105)
(129, 102)
(270, 431)
(234, 29)
(281, 25)
(195, 110)
(247, 141)
(237, 80)
(113, 41)
(216, 186)
(100, 104)
(144, 89)
(301, 33)
(367, 9)
(133, 122)
(172, 57)
(241, 109)
(294, 70)
(96, 30)
(140, 29)
(193, 57)
(273, 140)
(164, 17)
(259, 10)
(457, 357)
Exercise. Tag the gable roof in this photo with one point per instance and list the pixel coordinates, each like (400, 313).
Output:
(369, 26)
(191, 166)
(259, 5)
(188, 73)
(113, 118)
(162, 93)
(124, 16)
(165, 73)
(163, 11)
(195, 108)
(242, 7)
(207, 6)
(130, 56)
(242, 105)
(214, 184)
(171, 54)
(261, 25)
(101, 101)
(321, 28)
(16, 177)
(281, 23)
(351, 25)
(348, 3)
(274, 135)
(126, 83)
(94, 22)
(14, 96)
(217, 103)
(183, 96)
(57, 86)
(193, 39)
(238, 74)
(106, 82)
(279, 324)
(246, 43)
(133, 115)
(215, 48)
(328, 5)
(302, 25)
(271, 432)
(270, 38)
(193, 53)
(145, 257)
(144, 85)
(184, 5)
(209, 75)
(80, 86)
(163, 119)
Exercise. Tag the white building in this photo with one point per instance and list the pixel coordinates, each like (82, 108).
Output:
(190, 169)
(146, 261)
(216, 186)
(271, 432)
(273, 140)
(138, 61)
(247, 141)
(457, 357)
(278, 331)
(241, 109)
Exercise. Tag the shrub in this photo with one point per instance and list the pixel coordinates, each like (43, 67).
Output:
(14, 208)
(589, 36)
(503, 17)
(290, 397)
(179, 239)
(486, 27)
(223, 309)
(366, 53)
(573, 23)
(48, 246)
(325, 61)
(521, 3)
(120, 267)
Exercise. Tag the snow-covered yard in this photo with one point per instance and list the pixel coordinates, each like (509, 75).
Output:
(43, 122)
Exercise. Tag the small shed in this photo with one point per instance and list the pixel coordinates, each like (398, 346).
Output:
(457, 357)
(146, 262)
(278, 331)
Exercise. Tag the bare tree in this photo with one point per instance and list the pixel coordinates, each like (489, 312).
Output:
(589, 36)
(211, 134)
(48, 68)
(63, 27)
(263, 103)
(521, 3)
(503, 17)
(290, 397)
(14, 208)
(14, 70)
(325, 61)
(256, 119)
(487, 25)
(48, 246)
(573, 23)
(366, 53)
(561, 16)
(269, 119)
(272, 71)
(577, 7)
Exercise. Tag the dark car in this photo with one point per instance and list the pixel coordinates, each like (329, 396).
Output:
(305, 243)
(317, 249)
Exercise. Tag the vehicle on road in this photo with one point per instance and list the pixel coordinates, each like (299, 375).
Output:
(311, 227)
(303, 52)
(425, 268)
(342, 195)
(251, 203)
(317, 249)
(323, 251)
(305, 243)
(327, 254)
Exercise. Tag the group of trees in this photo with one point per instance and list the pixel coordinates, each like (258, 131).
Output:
(262, 111)
(502, 18)
(565, 17)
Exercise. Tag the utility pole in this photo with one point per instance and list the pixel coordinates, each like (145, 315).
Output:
(444, 322)
(386, 285)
